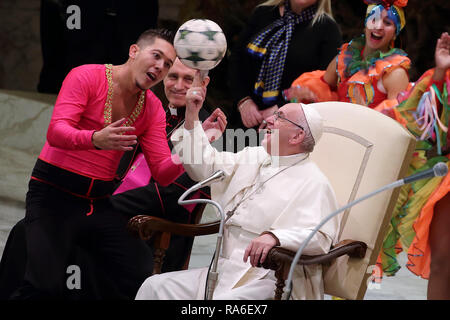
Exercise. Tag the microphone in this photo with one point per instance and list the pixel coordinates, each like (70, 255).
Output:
(440, 169)
(215, 177)
(212, 274)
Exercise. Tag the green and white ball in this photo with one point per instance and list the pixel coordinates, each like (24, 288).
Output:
(200, 44)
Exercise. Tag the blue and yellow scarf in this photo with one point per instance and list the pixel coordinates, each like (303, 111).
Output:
(271, 45)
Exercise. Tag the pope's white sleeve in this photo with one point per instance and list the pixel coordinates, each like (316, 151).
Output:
(199, 158)
(300, 218)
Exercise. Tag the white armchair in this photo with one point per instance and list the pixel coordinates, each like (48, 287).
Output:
(360, 151)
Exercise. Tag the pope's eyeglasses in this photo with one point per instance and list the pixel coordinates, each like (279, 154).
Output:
(278, 116)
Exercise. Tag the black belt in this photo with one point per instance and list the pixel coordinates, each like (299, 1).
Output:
(71, 182)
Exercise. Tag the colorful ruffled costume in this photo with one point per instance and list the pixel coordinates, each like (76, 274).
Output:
(425, 110)
(418, 112)
(358, 78)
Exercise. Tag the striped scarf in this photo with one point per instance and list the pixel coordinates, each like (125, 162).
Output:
(271, 45)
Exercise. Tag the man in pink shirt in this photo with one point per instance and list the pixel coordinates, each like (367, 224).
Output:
(134, 196)
(101, 111)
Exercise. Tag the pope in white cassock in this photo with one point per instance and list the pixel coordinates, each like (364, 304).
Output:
(275, 196)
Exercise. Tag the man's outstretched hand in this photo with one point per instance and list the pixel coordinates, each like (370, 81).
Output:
(112, 137)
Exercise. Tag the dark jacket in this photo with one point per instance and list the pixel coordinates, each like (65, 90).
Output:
(159, 201)
(312, 47)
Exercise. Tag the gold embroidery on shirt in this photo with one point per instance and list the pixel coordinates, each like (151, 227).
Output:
(107, 113)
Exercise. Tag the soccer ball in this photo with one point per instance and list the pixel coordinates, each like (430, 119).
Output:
(200, 44)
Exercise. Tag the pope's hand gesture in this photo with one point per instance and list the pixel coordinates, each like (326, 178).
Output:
(195, 96)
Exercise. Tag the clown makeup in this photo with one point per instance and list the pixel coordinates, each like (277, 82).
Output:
(379, 32)
(374, 19)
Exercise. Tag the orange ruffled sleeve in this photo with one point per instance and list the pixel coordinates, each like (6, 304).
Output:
(386, 104)
(314, 81)
(387, 107)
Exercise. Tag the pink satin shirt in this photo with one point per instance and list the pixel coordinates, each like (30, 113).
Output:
(82, 107)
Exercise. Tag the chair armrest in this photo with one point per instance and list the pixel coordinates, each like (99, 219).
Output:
(352, 248)
(145, 225)
(280, 260)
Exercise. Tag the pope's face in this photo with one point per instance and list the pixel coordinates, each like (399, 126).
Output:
(280, 130)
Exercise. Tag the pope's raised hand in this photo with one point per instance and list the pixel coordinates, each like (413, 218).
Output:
(195, 97)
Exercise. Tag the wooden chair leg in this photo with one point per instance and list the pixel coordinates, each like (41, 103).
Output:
(161, 244)
(158, 259)
(279, 286)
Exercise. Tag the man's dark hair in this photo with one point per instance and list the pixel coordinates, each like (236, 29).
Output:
(149, 36)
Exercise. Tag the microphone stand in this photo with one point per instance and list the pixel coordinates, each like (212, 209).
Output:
(213, 274)
(439, 169)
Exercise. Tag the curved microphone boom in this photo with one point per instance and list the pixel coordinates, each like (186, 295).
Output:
(216, 176)
(440, 169)
(213, 274)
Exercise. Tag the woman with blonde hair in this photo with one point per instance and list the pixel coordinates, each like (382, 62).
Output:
(282, 39)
